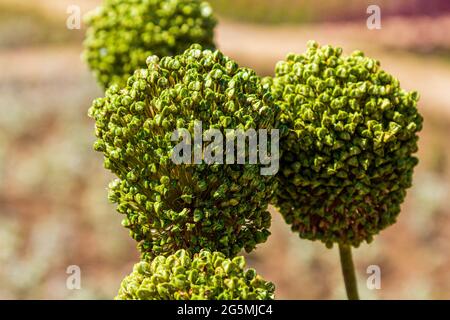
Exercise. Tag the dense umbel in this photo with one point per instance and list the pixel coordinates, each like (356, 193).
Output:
(205, 276)
(168, 206)
(347, 160)
(121, 34)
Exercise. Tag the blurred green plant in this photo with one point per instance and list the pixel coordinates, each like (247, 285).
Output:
(121, 34)
(289, 11)
(311, 11)
(205, 276)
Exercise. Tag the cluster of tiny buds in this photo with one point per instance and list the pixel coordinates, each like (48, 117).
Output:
(205, 276)
(349, 133)
(189, 206)
(347, 159)
(121, 34)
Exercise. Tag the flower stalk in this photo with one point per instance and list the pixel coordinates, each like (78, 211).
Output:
(348, 271)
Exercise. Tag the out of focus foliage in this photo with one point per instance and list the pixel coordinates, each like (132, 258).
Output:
(305, 11)
(121, 34)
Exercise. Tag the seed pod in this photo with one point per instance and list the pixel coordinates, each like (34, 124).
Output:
(347, 157)
(121, 34)
(198, 278)
(168, 206)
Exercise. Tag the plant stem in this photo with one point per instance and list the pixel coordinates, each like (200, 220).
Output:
(348, 271)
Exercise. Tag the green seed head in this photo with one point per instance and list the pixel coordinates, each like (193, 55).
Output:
(205, 276)
(347, 158)
(168, 206)
(121, 34)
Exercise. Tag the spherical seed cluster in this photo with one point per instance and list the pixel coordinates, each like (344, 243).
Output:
(347, 159)
(206, 276)
(123, 33)
(168, 206)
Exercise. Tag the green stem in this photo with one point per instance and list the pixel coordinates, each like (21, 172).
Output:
(348, 271)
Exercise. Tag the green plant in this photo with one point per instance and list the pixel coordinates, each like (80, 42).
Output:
(349, 133)
(123, 33)
(178, 211)
(347, 159)
(205, 276)
(172, 206)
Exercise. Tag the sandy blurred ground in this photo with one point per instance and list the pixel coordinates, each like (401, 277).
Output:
(53, 207)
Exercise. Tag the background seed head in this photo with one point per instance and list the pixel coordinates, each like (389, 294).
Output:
(172, 206)
(121, 34)
(205, 276)
(347, 157)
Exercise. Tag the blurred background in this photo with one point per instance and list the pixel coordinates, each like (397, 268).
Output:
(53, 200)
